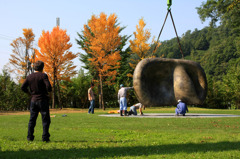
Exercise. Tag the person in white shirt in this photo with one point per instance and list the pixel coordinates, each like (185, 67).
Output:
(122, 93)
(91, 98)
(133, 109)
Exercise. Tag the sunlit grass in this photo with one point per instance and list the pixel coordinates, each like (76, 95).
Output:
(82, 135)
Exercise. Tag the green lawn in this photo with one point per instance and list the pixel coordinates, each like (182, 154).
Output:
(82, 135)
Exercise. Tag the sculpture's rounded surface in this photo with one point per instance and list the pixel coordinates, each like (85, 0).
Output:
(160, 81)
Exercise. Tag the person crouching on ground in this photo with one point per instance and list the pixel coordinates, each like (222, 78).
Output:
(122, 93)
(39, 86)
(134, 107)
(181, 108)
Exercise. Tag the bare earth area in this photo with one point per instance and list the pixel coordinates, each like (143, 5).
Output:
(52, 111)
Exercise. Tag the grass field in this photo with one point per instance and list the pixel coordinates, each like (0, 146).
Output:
(82, 135)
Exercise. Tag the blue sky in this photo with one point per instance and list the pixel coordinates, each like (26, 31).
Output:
(41, 15)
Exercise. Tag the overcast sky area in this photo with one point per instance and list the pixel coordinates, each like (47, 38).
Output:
(41, 15)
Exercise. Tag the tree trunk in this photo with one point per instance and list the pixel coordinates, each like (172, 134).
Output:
(54, 89)
(101, 89)
(59, 95)
(26, 62)
(99, 95)
(53, 95)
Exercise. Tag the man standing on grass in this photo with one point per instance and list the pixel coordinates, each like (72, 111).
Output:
(91, 98)
(122, 100)
(39, 86)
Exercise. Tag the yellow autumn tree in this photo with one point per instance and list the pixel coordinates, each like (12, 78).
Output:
(103, 39)
(139, 45)
(54, 52)
(22, 54)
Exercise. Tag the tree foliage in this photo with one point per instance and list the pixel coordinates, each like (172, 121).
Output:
(21, 57)
(75, 92)
(101, 41)
(104, 39)
(54, 52)
(122, 71)
(225, 11)
(140, 46)
(11, 96)
(216, 48)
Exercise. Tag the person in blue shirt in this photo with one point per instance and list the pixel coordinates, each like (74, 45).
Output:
(181, 108)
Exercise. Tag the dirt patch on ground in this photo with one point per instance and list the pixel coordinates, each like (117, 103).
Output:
(52, 111)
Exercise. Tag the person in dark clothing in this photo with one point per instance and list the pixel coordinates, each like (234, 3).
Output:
(37, 85)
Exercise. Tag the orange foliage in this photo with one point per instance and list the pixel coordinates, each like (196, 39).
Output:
(54, 52)
(20, 52)
(103, 38)
(140, 45)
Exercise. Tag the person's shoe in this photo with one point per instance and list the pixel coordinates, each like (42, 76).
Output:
(46, 140)
(30, 139)
(121, 113)
(183, 114)
(125, 113)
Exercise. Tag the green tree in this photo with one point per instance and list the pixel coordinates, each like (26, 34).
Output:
(218, 10)
(11, 95)
(75, 91)
(84, 44)
(231, 84)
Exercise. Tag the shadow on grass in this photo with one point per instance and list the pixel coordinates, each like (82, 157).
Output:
(132, 151)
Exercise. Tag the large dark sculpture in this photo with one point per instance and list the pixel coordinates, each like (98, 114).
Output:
(160, 81)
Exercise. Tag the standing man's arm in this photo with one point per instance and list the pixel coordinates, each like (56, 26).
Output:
(89, 95)
(178, 106)
(24, 87)
(47, 83)
(127, 88)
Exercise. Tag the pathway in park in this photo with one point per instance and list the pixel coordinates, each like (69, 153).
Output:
(171, 115)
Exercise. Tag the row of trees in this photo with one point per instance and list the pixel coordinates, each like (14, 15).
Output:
(54, 52)
(110, 62)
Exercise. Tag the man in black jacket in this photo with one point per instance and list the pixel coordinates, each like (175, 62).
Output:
(39, 86)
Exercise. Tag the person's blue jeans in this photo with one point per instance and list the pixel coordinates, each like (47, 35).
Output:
(133, 109)
(41, 106)
(123, 103)
(91, 107)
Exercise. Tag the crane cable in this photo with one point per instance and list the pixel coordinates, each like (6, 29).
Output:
(169, 11)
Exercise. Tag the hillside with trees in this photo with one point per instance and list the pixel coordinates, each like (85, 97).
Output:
(216, 48)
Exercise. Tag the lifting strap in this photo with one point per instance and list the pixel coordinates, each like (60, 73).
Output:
(169, 11)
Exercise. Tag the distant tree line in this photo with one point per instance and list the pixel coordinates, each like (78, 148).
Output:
(216, 48)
